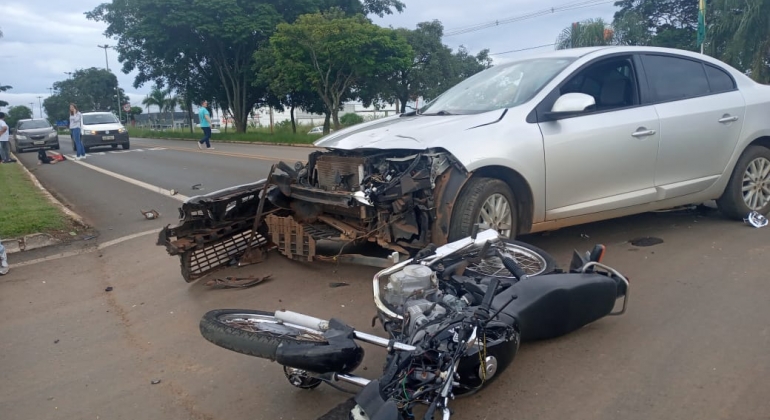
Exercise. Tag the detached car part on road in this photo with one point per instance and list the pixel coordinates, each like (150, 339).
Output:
(557, 139)
(34, 134)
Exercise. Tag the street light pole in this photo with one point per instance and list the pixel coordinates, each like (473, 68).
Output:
(68, 73)
(117, 89)
(40, 101)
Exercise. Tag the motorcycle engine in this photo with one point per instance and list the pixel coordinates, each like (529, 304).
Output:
(414, 293)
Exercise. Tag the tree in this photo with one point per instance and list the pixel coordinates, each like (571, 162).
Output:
(170, 104)
(215, 40)
(332, 53)
(4, 88)
(668, 23)
(156, 97)
(351, 119)
(90, 89)
(16, 113)
(739, 34)
(588, 33)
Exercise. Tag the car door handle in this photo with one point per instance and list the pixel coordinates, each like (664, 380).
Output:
(728, 119)
(643, 133)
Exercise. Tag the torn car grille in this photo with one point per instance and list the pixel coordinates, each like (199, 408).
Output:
(218, 254)
(337, 172)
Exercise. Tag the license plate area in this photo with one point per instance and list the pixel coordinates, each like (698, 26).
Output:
(108, 138)
(38, 143)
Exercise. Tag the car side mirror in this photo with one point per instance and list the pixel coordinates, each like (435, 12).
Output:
(570, 104)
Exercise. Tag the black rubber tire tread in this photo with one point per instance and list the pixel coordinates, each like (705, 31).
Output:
(468, 205)
(550, 261)
(126, 146)
(246, 342)
(731, 202)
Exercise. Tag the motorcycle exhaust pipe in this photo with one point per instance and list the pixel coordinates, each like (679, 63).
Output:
(351, 379)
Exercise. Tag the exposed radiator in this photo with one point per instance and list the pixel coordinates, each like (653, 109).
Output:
(338, 173)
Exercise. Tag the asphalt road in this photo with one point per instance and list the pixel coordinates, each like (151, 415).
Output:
(693, 345)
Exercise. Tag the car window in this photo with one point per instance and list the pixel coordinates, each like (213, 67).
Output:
(95, 119)
(502, 86)
(31, 125)
(612, 83)
(719, 80)
(673, 78)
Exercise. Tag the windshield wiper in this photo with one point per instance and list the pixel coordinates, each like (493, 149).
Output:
(442, 112)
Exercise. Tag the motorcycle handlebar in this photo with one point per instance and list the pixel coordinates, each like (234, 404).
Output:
(511, 265)
(486, 303)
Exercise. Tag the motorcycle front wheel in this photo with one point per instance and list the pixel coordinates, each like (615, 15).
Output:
(533, 260)
(254, 333)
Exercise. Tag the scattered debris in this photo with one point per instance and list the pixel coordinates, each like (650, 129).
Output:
(89, 237)
(172, 192)
(155, 381)
(333, 285)
(73, 234)
(755, 219)
(56, 341)
(150, 214)
(197, 186)
(584, 236)
(108, 289)
(646, 241)
(236, 282)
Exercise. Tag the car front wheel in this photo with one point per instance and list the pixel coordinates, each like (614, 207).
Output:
(749, 186)
(488, 202)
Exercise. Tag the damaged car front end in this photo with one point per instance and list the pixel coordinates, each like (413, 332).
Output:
(399, 199)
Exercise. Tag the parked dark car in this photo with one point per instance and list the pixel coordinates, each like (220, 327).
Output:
(34, 134)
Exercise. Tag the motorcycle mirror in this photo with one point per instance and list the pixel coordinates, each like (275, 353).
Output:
(361, 197)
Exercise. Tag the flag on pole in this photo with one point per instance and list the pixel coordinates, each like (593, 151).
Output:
(701, 22)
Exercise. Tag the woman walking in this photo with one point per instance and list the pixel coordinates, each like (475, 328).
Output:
(76, 122)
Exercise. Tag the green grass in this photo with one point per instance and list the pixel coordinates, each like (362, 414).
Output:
(23, 207)
(281, 136)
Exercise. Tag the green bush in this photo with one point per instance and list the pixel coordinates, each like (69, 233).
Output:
(351, 119)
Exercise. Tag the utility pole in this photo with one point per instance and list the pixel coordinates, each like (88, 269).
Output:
(40, 102)
(32, 108)
(68, 73)
(117, 89)
(106, 62)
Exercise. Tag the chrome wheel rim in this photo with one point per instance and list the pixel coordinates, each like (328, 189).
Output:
(270, 325)
(496, 214)
(530, 261)
(756, 184)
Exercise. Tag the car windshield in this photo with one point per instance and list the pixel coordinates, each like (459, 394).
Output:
(502, 86)
(31, 125)
(96, 119)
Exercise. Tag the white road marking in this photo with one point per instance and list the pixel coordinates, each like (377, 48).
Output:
(136, 182)
(86, 250)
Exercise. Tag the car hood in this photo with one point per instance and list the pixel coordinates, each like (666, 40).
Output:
(34, 131)
(103, 127)
(418, 132)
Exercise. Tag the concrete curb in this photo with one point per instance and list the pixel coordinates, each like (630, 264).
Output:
(38, 240)
(259, 143)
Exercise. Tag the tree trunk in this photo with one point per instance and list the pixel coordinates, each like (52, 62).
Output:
(189, 114)
(326, 122)
(293, 123)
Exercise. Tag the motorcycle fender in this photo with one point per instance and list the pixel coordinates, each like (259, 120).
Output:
(339, 356)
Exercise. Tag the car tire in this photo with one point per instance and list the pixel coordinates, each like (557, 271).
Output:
(56, 147)
(126, 146)
(748, 172)
(114, 147)
(477, 194)
(86, 149)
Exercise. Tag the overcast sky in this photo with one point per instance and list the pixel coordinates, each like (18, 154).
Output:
(43, 39)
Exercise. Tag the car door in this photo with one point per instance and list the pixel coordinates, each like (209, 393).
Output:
(602, 159)
(701, 115)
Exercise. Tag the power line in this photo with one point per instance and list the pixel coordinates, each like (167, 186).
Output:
(563, 8)
(524, 49)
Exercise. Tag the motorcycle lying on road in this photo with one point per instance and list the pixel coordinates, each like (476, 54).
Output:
(455, 316)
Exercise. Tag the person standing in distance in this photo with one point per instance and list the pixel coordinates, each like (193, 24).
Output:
(205, 122)
(5, 143)
(76, 122)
